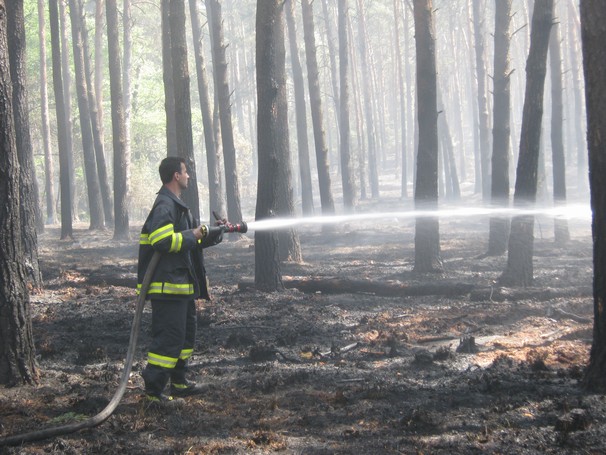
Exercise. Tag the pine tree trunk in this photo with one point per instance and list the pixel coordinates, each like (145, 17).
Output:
(121, 160)
(561, 232)
(326, 198)
(17, 354)
(216, 200)
(427, 228)
(234, 211)
(307, 201)
(347, 177)
(49, 167)
(402, 97)
(501, 131)
(90, 165)
(373, 172)
(169, 87)
(185, 143)
(593, 32)
(63, 126)
(519, 269)
(272, 137)
(31, 218)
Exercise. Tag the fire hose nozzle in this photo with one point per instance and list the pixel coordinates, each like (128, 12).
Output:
(240, 227)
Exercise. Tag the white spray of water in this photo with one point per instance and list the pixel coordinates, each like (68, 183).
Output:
(575, 211)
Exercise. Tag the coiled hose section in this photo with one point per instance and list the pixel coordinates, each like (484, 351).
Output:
(111, 407)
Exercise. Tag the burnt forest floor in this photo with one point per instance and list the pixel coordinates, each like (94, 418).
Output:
(461, 367)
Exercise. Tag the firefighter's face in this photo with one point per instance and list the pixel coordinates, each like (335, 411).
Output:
(182, 177)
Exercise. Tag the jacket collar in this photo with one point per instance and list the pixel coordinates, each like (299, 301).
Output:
(166, 192)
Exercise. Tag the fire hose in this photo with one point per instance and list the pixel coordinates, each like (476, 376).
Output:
(119, 393)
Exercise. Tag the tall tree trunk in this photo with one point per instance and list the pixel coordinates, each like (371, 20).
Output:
(216, 200)
(97, 128)
(373, 172)
(330, 41)
(427, 228)
(121, 160)
(484, 122)
(169, 87)
(99, 65)
(307, 201)
(501, 131)
(272, 138)
(49, 168)
(234, 212)
(90, 166)
(561, 232)
(63, 126)
(31, 218)
(127, 25)
(347, 177)
(593, 32)
(185, 143)
(67, 95)
(326, 199)
(577, 83)
(17, 352)
(519, 269)
(402, 96)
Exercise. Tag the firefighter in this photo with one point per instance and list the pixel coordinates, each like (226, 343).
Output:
(178, 280)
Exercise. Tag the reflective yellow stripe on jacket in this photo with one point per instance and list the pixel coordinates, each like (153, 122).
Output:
(159, 234)
(168, 288)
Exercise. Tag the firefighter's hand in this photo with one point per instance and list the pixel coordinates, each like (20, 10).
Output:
(211, 235)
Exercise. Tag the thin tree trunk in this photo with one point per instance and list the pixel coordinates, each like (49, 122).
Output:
(373, 171)
(31, 218)
(63, 127)
(95, 115)
(234, 211)
(121, 160)
(127, 25)
(519, 269)
(349, 190)
(561, 232)
(402, 98)
(501, 131)
(326, 198)
(185, 143)
(49, 168)
(427, 228)
(90, 166)
(215, 195)
(307, 201)
(169, 87)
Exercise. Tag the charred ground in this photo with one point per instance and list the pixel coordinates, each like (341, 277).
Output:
(485, 370)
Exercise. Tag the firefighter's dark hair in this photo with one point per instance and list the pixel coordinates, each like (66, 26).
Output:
(168, 167)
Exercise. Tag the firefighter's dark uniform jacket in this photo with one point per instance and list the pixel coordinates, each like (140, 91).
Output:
(178, 280)
(180, 273)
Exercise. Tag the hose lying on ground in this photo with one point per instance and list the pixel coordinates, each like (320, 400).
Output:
(110, 408)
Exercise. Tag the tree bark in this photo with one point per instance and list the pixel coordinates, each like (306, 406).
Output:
(216, 200)
(501, 130)
(90, 165)
(427, 228)
(49, 168)
(326, 198)
(347, 177)
(519, 269)
(31, 218)
(234, 211)
(307, 201)
(272, 136)
(185, 143)
(169, 87)
(561, 232)
(97, 128)
(121, 160)
(373, 172)
(402, 97)
(17, 353)
(593, 32)
(63, 126)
